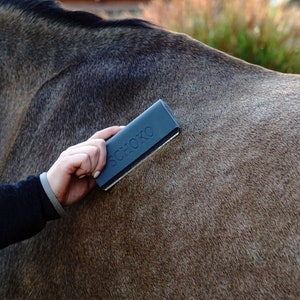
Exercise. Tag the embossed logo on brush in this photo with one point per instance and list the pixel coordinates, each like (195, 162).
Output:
(133, 144)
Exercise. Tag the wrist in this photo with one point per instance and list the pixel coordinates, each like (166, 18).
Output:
(49, 192)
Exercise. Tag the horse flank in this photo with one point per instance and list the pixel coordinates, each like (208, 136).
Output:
(214, 214)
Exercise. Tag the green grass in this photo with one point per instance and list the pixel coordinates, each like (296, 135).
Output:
(250, 30)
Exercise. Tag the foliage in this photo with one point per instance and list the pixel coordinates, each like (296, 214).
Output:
(248, 29)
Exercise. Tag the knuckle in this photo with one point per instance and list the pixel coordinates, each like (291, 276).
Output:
(102, 142)
(95, 151)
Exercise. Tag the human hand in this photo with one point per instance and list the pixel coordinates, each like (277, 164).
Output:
(73, 175)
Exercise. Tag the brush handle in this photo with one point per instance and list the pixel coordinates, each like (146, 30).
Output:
(139, 139)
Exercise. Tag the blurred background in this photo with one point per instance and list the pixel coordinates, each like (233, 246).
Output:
(263, 32)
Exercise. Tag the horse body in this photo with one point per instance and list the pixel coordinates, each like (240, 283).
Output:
(213, 214)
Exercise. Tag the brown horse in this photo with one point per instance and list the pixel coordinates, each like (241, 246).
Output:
(215, 214)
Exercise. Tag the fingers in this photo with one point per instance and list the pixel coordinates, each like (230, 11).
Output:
(87, 158)
(81, 160)
(106, 133)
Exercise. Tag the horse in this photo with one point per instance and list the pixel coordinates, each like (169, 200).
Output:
(214, 214)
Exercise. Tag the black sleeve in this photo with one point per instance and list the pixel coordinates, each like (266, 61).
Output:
(24, 210)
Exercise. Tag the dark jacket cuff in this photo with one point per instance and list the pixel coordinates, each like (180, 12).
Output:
(24, 210)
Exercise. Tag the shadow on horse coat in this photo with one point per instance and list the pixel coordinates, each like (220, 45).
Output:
(213, 215)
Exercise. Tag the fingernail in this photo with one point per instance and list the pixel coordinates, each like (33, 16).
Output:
(82, 176)
(96, 174)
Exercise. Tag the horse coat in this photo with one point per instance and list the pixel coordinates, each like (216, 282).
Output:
(212, 215)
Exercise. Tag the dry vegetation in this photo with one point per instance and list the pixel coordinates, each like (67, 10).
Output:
(249, 29)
